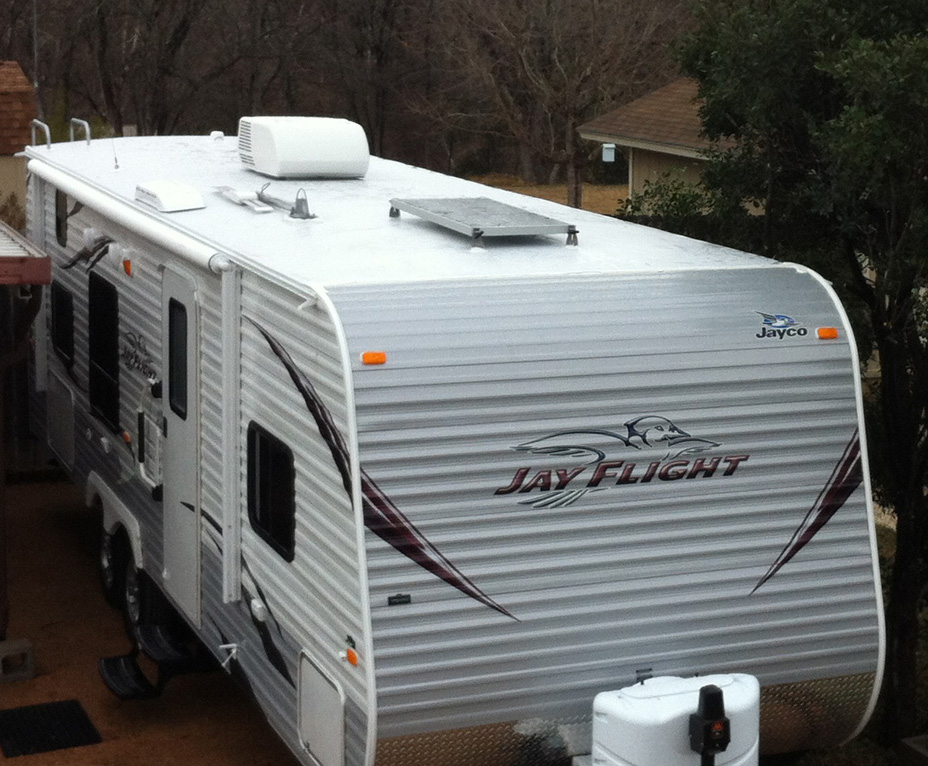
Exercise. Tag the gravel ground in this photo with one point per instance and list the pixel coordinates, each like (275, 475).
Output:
(56, 603)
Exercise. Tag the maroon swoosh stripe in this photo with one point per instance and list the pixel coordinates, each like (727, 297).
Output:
(845, 478)
(386, 521)
(381, 515)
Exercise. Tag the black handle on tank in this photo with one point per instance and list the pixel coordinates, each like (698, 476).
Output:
(710, 730)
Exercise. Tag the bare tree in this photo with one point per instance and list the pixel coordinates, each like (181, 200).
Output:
(431, 82)
(366, 60)
(549, 65)
(171, 65)
(15, 30)
(263, 59)
(142, 52)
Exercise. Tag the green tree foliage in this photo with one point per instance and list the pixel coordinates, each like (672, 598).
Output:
(827, 103)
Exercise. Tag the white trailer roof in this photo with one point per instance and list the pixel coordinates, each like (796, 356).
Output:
(354, 239)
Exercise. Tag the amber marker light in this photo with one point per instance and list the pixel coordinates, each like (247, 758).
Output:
(127, 267)
(374, 357)
(827, 333)
(352, 656)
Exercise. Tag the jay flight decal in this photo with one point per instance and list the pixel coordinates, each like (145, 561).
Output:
(670, 454)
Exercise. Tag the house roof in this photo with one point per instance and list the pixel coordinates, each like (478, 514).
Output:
(665, 120)
(17, 108)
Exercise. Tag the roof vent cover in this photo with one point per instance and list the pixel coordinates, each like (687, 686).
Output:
(169, 196)
(303, 147)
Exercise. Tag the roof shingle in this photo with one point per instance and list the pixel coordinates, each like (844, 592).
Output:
(667, 117)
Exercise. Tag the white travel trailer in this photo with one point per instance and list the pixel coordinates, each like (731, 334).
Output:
(428, 465)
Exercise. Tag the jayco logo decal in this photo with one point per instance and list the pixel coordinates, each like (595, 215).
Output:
(780, 326)
(651, 448)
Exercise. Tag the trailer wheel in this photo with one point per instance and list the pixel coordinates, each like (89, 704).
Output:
(133, 596)
(141, 601)
(109, 564)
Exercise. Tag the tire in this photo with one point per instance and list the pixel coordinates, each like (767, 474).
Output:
(133, 595)
(141, 602)
(110, 566)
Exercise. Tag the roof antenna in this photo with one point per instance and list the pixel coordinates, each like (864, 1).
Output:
(115, 158)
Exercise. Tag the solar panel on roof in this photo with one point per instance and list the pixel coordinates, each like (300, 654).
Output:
(480, 217)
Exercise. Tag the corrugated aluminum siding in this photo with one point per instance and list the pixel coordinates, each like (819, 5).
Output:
(652, 577)
(291, 591)
(316, 599)
(139, 347)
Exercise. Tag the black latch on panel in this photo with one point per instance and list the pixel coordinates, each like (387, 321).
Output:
(400, 599)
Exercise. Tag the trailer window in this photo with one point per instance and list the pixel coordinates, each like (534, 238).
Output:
(61, 217)
(103, 348)
(177, 357)
(271, 494)
(62, 303)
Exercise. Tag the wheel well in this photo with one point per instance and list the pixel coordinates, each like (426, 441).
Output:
(116, 518)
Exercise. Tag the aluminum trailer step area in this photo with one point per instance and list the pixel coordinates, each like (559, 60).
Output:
(170, 651)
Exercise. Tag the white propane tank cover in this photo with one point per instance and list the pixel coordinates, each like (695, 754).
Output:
(303, 147)
(648, 724)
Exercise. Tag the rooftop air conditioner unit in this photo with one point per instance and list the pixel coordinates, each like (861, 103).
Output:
(303, 147)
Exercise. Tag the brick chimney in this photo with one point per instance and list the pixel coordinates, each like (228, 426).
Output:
(17, 111)
(17, 108)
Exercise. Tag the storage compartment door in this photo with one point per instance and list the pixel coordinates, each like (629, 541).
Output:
(322, 715)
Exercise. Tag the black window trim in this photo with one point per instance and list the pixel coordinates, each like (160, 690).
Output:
(280, 534)
(61, 301)
(61, 217)
(103, 350)
(177, 358)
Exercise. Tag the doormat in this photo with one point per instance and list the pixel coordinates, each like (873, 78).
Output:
(46, 727)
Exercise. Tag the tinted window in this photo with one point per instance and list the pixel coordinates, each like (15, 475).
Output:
(177, 357)
(61, 218)
(103, 348)
(271, 495)
(62, 303)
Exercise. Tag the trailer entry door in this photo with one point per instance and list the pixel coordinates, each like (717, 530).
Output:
(180, 467)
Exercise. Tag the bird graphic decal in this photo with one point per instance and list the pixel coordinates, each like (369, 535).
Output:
(91, 254)
(645, 432)
(777, 321)
(657, 437)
